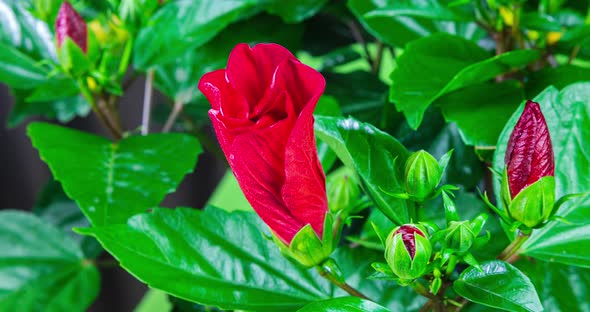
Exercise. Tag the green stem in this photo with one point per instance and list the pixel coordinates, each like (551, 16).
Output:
(421, 289)
(97, 110)
(337, 281)
(513, 249)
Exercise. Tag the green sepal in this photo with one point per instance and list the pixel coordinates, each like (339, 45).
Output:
(460, 237)
(306, 247)
(470, 259)
(435, 285)
(535, 203)
(443, 162)
(72, 59)
(450, 208)
(503, 214)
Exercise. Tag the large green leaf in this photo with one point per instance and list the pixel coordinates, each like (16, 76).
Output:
(398, 22)
(374, 155)
(481, 111)
(560, 287)
(211, 257)
(21, 30)
(568, 115)
(498, 285)
(433, 66)
(294, 11)
(344, 304)
(183, 25)
(559, 77)
(41, 268)
(18, 70)
(112, 181)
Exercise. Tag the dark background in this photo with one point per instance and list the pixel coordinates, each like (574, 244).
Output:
(23, 175)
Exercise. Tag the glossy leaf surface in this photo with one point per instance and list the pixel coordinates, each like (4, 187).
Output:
(113, 181)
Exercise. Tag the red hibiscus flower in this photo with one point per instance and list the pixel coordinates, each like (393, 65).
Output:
(262, 111)
(70, 24)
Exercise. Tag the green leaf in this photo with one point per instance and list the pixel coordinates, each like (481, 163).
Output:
(19, 70)
(433, 66)
(495, 103)
(498, 285)
(398, 30)
(54, 207)
(344, 304)
(154, 301)
(63, 110)
(374, 155)
(181, 250)
(183, 25)
(21, 30)
(294, 11)
(364, 100)
(54, 89)
(537, 21)
(41, 268)
(430, 9)
(112, 181)
(558, 77)
(560, 287)
(567, 116)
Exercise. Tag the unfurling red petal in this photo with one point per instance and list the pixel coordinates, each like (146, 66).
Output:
(70, 24)
(529, 155)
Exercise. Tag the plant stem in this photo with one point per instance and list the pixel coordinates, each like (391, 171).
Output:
(358, 36)
(378, 58)
(98, 111)
(574, 53)
(147, 102)
(173, 116)
(341, 284)
(421, 290)
(511, 251)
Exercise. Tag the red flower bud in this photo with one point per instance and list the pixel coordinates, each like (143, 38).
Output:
(70, 24)
(407, 232)
(529, 155)
(262, 112)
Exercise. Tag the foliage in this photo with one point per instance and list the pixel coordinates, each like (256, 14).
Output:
(436, 86)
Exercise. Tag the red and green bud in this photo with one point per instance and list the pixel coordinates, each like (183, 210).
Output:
(407, 252)
(528, 185)
(423, 174)
(69, 24)
(529, 155)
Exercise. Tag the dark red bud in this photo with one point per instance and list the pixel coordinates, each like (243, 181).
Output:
(407, 232)
(529, 155)
(70, 24)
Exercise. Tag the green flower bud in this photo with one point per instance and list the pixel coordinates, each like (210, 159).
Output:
(342, 190)
(535, 203)
(407, 252)
(460, 236)
(423, 173)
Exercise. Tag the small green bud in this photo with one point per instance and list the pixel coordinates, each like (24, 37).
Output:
(407, 252)
(460, 236)
(535, 203)
(342, 190)
(423, 174)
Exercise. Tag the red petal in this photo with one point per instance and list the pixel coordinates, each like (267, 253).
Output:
(302, 83)
(222, 96)
(529, 155)
(70, 24)
(250, 70)
(408, 233)
(304, 191)
(257, 159)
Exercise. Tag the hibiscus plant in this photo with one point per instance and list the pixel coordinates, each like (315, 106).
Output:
(391, 155)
